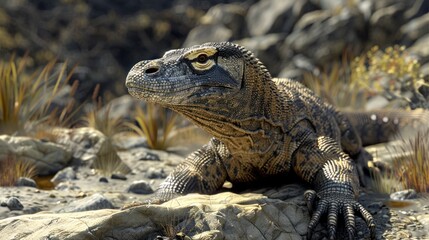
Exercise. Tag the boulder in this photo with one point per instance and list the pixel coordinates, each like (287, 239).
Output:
(94, 202)
(389, 16)
(267, 49)
(323, 35)
(231, 215)
(232, 16)
(415, 29)
(275, 16)
(47, 157)
(90, 146)
(207, 33)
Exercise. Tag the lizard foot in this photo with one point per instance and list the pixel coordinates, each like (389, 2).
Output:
(333, 205)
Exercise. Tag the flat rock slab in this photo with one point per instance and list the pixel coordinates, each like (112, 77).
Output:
(228, 215)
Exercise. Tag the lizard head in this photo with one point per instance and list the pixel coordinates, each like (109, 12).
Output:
(189, 75)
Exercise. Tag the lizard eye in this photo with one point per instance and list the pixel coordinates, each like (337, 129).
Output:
(202, 62)
(202, 58)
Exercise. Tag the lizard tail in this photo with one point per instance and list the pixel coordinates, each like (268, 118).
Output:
(380, 126)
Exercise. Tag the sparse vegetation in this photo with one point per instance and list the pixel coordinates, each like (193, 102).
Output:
(103, 121)
(391, 73)
(386, 182)
(413, 171)
(11, 169)
(409, 167)
(338, 87)
(155, 124)
(108, 162)
(26, 99)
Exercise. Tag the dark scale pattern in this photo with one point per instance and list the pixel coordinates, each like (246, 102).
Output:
(261, 127)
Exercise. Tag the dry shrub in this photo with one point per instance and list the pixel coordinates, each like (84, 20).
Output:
(11, 169)
(155, 124)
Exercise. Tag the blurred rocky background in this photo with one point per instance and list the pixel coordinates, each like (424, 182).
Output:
(102, 165)
(105, 38)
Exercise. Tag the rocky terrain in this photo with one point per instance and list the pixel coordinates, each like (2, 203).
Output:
(85, 205)
(85, 177)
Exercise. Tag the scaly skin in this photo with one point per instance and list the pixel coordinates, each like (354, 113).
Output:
(261, 127)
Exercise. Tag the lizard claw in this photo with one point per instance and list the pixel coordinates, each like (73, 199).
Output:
(333, 206)
(310, 198)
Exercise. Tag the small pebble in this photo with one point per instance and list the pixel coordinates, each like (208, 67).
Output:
(140, 187)
(13, 203)
(67, 174)
(155, 173)
(118, 176)
(404, 195)
(149, 156)
(25, 182)
(103, 179)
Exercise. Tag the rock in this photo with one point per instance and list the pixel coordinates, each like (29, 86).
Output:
(266, 47)
(152, 173)
(231, 215)
(296, 69)
(425, 71)
(67, 174)
(90, 146)
(404, 195)
(47, 157)
(322, 36)
(421, 49)
(26, 182)
(389, 16)
(414, 29)
(93, 202)
(232, 16)
(103, 179)
(13, 203)
(207, 33)
(331, 4)
(275, 16)
(67, 186)
(366, 7)
(140, 187)
(84, 143)
(147, 156)
(118, 176)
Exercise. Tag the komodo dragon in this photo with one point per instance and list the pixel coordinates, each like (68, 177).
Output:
(262, 126)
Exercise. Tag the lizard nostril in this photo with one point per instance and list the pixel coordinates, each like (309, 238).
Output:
(152, 70)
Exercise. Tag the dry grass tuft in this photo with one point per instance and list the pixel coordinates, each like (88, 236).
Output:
(413, 171)
(155, 124)
(108, 161)
(11, 169)
(337, 87)
(26, 99)
(409, 168)
(103, 121)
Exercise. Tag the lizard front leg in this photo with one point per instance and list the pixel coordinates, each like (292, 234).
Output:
(201, 172)
(320, 161)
